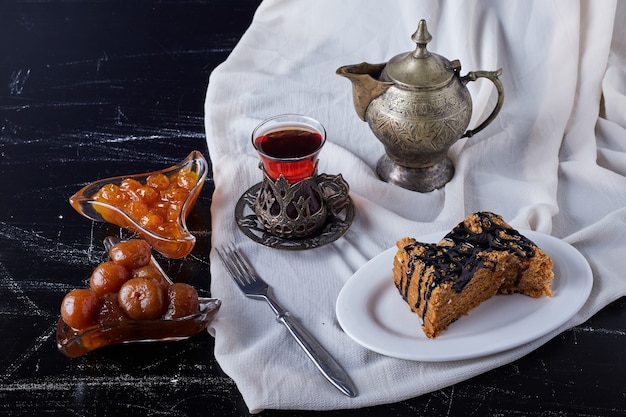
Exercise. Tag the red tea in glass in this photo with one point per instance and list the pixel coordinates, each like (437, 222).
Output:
(289, 145)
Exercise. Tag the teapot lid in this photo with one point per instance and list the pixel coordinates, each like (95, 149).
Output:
(420, 68)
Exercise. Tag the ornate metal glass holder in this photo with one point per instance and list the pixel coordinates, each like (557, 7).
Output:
(300, 209)
(261, 212)
(293, 207)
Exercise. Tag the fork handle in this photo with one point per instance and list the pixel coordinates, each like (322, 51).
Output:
(324, 362)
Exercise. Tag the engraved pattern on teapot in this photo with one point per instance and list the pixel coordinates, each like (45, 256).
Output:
(417, 105)
(414, 128)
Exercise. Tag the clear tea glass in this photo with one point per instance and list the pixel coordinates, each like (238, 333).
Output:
(291, 202)
(289, 144)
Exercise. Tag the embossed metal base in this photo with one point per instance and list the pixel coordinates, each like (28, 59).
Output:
(337, 224)
(291, 210)
(422, 180)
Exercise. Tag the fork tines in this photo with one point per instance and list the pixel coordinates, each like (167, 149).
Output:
(237, 265)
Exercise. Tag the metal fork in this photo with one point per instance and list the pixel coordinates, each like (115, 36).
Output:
(253, 286)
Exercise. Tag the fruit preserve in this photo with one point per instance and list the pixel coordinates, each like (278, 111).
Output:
(153, 205)
(127, 287)
(129, 299)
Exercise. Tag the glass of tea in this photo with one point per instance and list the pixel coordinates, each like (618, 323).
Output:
(292, 199)
(289, 144)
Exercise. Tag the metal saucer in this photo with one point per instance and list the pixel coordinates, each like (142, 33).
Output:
(334, 228)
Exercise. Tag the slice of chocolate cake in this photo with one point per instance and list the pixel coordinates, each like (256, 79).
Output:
(480, 257)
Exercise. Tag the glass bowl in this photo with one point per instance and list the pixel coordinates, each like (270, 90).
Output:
(172, 238)
(75, 343)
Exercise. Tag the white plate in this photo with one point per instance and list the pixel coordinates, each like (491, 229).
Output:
(372, 312)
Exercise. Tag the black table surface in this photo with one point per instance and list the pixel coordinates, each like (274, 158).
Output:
(90, 90)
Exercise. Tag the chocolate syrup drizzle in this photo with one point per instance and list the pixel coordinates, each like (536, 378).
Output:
(458, 262)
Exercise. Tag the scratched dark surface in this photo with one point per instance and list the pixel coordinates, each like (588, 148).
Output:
(95, 89)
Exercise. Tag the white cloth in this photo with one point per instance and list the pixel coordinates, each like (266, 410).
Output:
(554, 160)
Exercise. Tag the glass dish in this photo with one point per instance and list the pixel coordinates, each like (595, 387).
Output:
(75, 343)
(176, 244)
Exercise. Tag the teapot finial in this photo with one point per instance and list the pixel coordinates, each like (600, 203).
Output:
(421, 37)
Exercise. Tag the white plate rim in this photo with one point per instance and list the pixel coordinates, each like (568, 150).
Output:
(373, 285)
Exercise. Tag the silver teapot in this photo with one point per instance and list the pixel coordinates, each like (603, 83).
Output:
(417, 105)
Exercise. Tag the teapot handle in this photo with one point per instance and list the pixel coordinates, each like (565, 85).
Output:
(493, 77)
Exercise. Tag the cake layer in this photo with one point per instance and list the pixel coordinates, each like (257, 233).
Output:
(480, 257)
(531, 270)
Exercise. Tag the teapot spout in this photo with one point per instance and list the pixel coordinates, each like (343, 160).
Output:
(366, 85)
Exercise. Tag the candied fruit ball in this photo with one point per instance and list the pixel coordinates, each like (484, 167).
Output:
(160, 207)
(173, 212)
(150, 272)
(111, 312)
(174, 194)
(147, 194)
(131, 254)
(113, 194)
(142, 299)
(151, 220)
(108, 277)
(169, 229)
(158, 181)
(130, 184)
(183, 301)
(79, 308)
(137, 209)
(187, 179)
